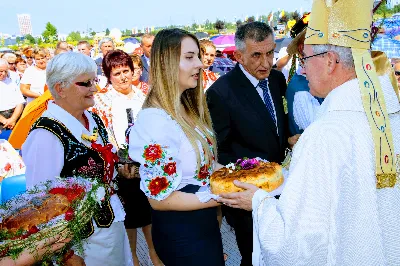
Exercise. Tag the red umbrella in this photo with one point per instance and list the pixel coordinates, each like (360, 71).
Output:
(229, 50)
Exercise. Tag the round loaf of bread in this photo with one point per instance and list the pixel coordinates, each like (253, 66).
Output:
(265, 175)
(37, 211)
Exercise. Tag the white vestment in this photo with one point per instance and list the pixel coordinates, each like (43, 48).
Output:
(330, 211)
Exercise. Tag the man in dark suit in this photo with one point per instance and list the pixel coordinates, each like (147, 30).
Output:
(146, 43)
(247, 112)
(106, 44)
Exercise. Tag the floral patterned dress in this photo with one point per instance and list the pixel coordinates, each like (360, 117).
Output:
(168, 163)
(209, 78)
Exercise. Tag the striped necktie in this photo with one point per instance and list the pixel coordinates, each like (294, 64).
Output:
(267, 99)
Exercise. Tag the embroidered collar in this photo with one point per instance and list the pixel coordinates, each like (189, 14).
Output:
(73, 124)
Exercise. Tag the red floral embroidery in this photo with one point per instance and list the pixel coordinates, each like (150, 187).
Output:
(170, 168)
(92, 169)
(7, 167)
(152, 153)
(158, 185)
(212, 76)
(144, 87)
(203, 173)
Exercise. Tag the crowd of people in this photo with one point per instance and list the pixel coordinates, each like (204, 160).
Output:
(179, 121)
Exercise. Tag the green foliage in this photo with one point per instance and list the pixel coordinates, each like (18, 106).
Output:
(295, 15)
(238, 23)
(107, 32)
(29, 38)
(50, 33)
(74, 36)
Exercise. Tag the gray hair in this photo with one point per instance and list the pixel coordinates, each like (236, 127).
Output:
(3, 62)
(104, 40)
(7, 56)
(344, 53)
(256, 31)
(65, 67)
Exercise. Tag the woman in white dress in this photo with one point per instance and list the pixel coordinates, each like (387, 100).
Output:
(70, 141)
(172, 140)
(34, 79)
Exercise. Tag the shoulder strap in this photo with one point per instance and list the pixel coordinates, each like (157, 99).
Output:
(102, 130)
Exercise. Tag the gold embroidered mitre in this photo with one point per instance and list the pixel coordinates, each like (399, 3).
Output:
(342, 22)
(347, 23)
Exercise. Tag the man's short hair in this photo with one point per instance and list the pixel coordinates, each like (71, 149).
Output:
(105, 40)
(86, 43)
(256, 31)
(59, 44)
(146, 36)
(3, 62)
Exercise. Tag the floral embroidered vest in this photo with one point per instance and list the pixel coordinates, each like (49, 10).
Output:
(80, 160)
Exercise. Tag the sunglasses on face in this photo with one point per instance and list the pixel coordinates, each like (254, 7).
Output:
(89, 83)
(397, 73)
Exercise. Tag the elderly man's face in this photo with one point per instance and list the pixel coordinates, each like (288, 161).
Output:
(257, 57)
(315, 68)
(3, 72)
(106, 47)
(397, 73)
(146, 45)
(84, 49)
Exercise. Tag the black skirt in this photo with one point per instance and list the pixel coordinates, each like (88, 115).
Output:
(188, 237)
(136, 205)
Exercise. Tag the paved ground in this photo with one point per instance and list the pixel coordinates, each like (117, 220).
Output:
(228, 239)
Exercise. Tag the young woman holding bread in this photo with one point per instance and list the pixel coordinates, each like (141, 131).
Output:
(172, 139)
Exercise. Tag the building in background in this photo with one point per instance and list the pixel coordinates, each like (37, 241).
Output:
(24, 23)
(392, 3)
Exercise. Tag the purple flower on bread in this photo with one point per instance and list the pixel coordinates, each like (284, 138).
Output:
(246, 163)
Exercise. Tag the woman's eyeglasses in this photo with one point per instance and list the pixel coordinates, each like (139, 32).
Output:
(89, 83)
(397, 73)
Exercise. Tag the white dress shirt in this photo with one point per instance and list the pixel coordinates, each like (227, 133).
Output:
(10, 95)
(254, 81)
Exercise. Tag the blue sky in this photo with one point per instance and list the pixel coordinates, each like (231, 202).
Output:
(71, 15)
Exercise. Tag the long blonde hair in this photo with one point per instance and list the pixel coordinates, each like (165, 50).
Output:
(165, 91)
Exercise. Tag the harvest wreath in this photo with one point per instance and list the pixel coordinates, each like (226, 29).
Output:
(59, 207)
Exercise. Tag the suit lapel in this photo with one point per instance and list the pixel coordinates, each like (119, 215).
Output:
(254, 100)
(145, 65)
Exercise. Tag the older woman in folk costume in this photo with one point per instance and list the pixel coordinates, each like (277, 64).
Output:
(173, 142)
(118, 108)
(69, 141)
(340, 205)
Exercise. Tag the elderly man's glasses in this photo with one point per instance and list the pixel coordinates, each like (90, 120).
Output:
(89, 83)
(397, 73)
(303, 60)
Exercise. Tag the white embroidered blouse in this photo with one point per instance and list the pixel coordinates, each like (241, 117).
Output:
(167, 159)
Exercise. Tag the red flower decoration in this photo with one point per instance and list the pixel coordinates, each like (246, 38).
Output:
(72, 193)
(203, 173)
(152, 153)
(69, 215)
(170, 168)
(7, 167)
(157, 185)
(209, 141)
(109, 157)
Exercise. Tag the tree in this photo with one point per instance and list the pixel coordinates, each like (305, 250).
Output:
(18, 40)
(107, 32)
(74, 36)
(208, 25)
(295, 15)
(50, 33)
(194, 26)
(30, 39)
(238, 23)
(219, 25)
(251, 19)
